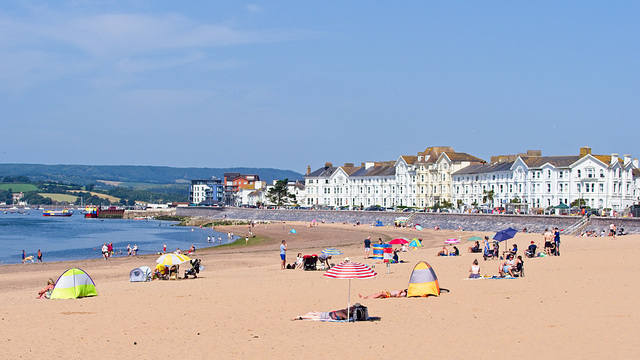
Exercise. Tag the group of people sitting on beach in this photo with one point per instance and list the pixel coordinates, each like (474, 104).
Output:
(446, 252)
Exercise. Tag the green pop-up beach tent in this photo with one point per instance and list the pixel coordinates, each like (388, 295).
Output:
(74, 283)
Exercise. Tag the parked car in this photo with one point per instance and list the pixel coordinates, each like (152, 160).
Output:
(375, 208)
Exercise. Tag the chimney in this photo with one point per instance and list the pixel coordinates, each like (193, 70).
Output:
(584, 151)
(348, 164)
(627, 159)
(308, 169)
(614, 158)
(327, 165)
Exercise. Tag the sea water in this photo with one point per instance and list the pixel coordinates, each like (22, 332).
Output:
(77, 238)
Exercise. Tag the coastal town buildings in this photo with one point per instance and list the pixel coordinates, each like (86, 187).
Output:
(259, 197)
(434, 168)
(234, 182)
(440, 176)
(540, 182)
(206, 191)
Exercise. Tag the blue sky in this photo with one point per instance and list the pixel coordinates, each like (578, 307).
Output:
(287, 84)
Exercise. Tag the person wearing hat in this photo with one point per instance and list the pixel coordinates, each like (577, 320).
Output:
(531, 250)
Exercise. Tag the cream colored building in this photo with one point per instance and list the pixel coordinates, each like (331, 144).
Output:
(434, 167)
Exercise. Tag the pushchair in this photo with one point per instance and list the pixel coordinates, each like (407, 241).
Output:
(195, 269)
(310, 262)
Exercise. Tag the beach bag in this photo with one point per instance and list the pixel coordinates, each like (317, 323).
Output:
(360, 312)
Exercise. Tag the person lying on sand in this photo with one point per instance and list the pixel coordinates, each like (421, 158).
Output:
(327, 315)
(386, 294)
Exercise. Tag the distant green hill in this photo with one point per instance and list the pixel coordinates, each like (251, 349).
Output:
(152, 175)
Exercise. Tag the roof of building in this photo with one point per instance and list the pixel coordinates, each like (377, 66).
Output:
(459, 157)
(484, 168)
(409, 159)
(557, 161)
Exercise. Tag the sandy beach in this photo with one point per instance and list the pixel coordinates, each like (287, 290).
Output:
(581, 305)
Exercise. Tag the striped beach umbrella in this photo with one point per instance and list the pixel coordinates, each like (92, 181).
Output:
(331, 251)
(452, 241)
(172, 259)
(350, 270)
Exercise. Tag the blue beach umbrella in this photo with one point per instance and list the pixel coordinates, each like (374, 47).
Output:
(505, 234)
(331, 251)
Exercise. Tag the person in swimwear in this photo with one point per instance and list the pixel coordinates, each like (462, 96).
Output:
(386, 294)
(46, 291)
(326, 315)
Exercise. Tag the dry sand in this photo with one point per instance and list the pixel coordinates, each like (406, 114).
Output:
(581, 305)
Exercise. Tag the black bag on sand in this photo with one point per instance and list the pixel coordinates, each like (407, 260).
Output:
(360, 312)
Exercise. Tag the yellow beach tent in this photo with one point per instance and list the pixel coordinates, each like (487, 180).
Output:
(423, 281)
(72, 284)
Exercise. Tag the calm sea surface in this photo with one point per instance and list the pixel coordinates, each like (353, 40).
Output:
(75, 238)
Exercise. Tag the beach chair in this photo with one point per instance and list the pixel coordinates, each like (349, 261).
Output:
(310, 262)
(195, 269)
(488, 255)
(173, 272)
(519, 270)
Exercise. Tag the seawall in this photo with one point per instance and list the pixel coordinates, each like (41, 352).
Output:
(469, 222)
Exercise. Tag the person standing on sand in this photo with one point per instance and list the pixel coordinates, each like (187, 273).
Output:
(164, 247)
(105, 251)
(39, 255)
(548, 237)
(367, 247)
(283, 254)
(24, 256)
(135, 249)
(556, 239)
(128, 249)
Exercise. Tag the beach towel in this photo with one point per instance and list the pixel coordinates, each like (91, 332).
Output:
(493, 278)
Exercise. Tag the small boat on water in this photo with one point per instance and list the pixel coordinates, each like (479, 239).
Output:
(65, 212)
(91, 211)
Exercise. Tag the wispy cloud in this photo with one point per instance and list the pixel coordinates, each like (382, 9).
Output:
(253, 8)
(54, 42)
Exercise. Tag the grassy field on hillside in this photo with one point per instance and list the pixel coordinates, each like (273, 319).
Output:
(60, 197)
(113, 199)
(18, 187)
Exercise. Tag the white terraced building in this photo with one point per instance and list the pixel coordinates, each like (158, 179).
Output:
(385, 184)
(603, 181)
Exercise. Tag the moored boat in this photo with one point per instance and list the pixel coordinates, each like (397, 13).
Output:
(65, 212)
(91, 211)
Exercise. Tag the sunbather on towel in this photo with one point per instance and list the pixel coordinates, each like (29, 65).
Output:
(386, 294)
(327, 315)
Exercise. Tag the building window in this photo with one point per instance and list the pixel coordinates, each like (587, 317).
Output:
(579, 173)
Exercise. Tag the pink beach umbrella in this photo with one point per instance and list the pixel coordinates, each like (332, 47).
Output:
(399, 241)
(350, 270)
